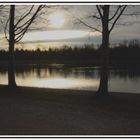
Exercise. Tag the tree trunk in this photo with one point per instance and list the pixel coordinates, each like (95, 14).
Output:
(11, 68)
(103, 87)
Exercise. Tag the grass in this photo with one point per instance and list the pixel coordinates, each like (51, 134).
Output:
(38, 111)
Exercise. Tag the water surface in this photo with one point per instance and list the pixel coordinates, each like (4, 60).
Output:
(85, 78)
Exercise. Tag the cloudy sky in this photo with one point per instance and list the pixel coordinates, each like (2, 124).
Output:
(58, 26)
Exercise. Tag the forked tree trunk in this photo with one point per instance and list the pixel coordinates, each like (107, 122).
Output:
(103, 86)
(11, 68)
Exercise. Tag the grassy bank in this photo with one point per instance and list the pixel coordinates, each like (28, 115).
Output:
(54, 111)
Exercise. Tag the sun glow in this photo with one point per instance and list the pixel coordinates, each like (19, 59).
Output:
(56, 20)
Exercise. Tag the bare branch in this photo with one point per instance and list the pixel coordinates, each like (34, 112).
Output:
(21, 19)
(93, 16)
(115, 13)
(27, 24)
(121, 12)
(96, 29)
(22, 26)
(100, 13)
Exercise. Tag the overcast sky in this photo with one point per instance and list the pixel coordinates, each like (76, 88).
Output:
(130, 29)
(120, 32)
(67, 26)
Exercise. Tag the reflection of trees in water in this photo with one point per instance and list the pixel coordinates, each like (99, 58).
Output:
(3, 70)
(44, 72)
(86, 73)
(128, 73)
(32, 71)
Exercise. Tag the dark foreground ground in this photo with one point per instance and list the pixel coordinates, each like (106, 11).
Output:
(48, 111)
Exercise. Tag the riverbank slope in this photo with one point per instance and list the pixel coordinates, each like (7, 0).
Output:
(41, 111)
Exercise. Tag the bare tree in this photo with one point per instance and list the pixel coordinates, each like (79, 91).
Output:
(18, 26)
(108, 19)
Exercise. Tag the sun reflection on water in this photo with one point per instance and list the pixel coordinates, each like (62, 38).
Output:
(59, 83)
(66, 83)
(54, 78)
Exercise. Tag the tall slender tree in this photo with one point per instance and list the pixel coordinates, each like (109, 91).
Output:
(108, 21)
(11, 69)
(17, 29)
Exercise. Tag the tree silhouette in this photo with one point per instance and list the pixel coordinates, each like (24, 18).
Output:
(108, 21)
(18, 26)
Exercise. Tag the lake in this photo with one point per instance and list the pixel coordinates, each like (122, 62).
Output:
(81, 78)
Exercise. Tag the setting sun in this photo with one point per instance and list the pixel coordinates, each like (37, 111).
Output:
(57, 20)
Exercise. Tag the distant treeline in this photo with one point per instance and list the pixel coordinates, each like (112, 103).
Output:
(126, 53)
